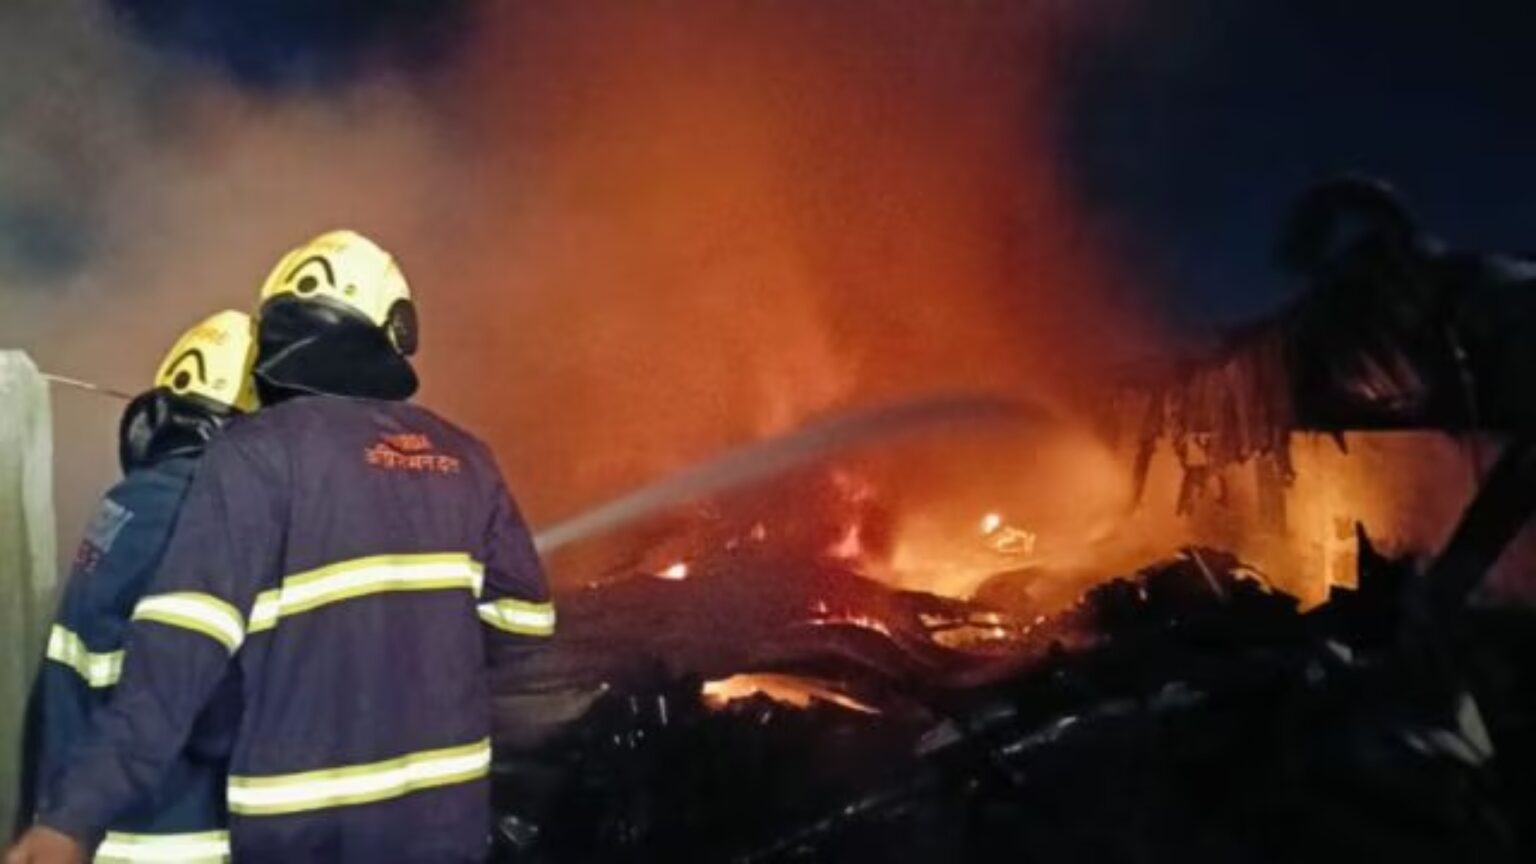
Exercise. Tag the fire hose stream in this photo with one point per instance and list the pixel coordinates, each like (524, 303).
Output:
(808, 444)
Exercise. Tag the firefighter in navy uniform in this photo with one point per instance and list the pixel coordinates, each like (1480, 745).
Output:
(360, 563)
(203, 382)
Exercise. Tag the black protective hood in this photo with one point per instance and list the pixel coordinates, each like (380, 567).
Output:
(310, 346)
(160, 424)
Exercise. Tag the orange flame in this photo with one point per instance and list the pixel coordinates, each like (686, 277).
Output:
(787, 689)
(692, 230)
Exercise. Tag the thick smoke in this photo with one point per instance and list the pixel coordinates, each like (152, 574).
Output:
(140, 191)
(639, 233)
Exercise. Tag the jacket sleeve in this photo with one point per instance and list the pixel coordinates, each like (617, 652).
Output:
(122, 546)
(515, 604)
(184, 632)
(120, 550)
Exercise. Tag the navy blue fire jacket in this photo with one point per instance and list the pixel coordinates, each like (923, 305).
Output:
(183, 817)
(358, 565)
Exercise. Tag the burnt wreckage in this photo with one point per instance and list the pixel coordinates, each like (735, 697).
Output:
(768, 710)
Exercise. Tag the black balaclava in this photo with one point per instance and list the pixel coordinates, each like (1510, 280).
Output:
(312, 346)
(159, 424)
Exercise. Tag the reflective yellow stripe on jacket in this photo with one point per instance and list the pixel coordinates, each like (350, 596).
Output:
(379, 574)
(98, 669)
(359, 784)
(206, 847)
(195, 611)
(519, 616)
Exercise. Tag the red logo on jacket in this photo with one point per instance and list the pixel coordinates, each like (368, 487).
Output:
(409, 451)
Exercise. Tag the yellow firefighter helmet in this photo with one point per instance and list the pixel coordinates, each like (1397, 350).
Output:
(344, 268)
(213, 361)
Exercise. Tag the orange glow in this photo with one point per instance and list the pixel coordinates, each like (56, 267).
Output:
(684, 238)
(1007, 539)
(1407, 488)
(1050, 498)
(863, 622)
(1013, 541)
(849, 546)
(681, 239)
(787, 689)
(640, 239)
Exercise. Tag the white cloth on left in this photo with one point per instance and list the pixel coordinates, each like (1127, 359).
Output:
(28, 569)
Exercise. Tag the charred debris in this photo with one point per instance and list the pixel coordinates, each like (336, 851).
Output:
(775, 711)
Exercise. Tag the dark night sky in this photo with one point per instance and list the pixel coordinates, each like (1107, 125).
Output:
(1202, 121)
(1192, 125)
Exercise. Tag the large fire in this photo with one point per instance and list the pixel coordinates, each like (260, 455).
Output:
(661, 236)
(696, 229)
(1027, 519)
(640, 238)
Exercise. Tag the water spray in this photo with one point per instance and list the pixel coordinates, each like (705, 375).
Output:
(809, 443)
(87, 386)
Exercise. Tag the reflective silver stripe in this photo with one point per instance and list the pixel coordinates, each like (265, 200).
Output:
(361, 577)
(359, 784)
(194, 610)
(519, 616)
(206, 847)
(98, 670)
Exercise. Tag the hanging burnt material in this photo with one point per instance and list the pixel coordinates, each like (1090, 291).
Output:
(1231, 409)
(1393, 332)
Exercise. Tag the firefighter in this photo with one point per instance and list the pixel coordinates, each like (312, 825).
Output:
(357, 563)
(203, 382)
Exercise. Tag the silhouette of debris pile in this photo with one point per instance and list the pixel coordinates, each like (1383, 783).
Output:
(1186, 713)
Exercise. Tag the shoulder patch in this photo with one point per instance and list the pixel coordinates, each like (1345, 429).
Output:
(107, 524)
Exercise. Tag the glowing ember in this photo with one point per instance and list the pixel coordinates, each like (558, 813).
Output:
(863, 622)
(849, 547)
(788, 689)
(1012, 541)
(1006, 538)
(974, 631)
(676, 572)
